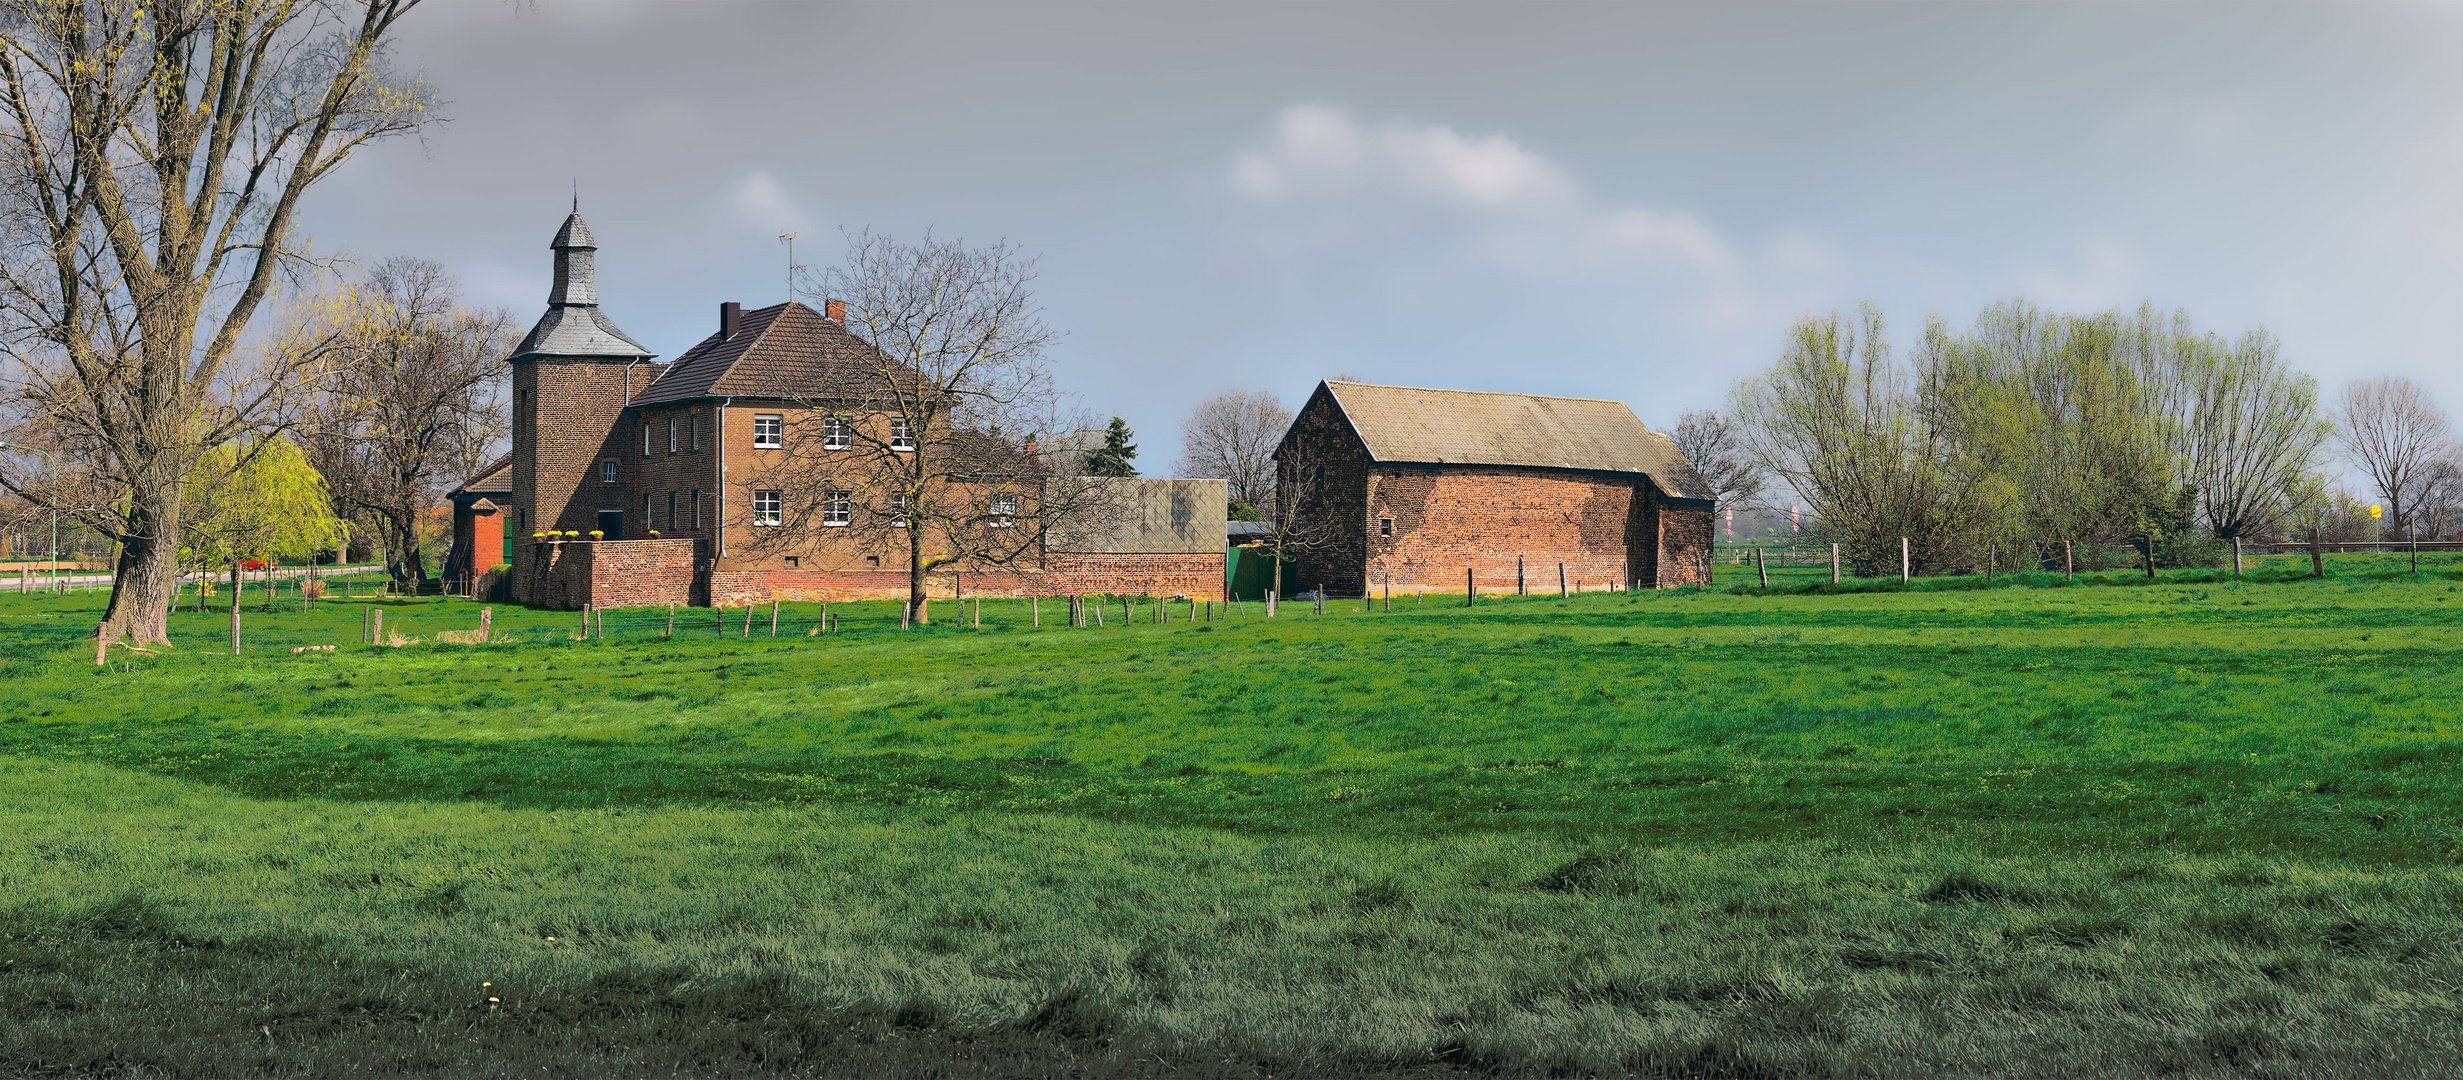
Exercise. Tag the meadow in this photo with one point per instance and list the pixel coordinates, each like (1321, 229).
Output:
(2193, 826)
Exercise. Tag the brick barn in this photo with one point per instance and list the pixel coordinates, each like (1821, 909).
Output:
(1402, 486)
(677, 469)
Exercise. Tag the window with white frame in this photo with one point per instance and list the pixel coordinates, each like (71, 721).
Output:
(696, 500)
(671, 434)
(838, 508)
(901, 434)
(769, 508)
(769, 431)
(835, 435)
(1004, 511)
(607, 472)
(645, 437)
(646, 519)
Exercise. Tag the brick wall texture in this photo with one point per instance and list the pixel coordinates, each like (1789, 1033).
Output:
(1361, 525)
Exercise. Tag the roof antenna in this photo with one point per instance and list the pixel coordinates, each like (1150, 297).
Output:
(788, 238)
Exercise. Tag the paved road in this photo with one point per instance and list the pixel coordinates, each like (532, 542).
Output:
(76, 579)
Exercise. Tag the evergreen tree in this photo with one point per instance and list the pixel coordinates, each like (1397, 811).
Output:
(1116, 454)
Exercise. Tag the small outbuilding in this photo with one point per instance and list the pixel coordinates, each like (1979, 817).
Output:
(1411, 488)
(479, 525)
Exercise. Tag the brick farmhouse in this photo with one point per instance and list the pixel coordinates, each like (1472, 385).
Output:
(1406, 487)
(638, 482)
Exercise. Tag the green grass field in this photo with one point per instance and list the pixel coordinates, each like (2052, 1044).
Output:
(2197, 827)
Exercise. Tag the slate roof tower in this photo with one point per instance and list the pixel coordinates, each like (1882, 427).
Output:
(572, 377)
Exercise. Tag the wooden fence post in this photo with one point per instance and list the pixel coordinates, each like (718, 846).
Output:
(363, 621)
(376, 629)
(1761, 567)
(1034, 610)
(773, 618)
(487, 623)
(906, 613)
(1519, 589)
(235, 591)
(102, 647)
(671, 619)
(1318, 606)
(2415, 554)
(2236, 556)
(1834, 563)
(1906, 566)
(1470, 589)
(1561, 591)
(1389, 593)
(2069, 563)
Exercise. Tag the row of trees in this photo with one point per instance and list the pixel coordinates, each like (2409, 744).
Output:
(2033, 428)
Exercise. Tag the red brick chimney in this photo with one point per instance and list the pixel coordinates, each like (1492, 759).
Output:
(836, 310)
(730, 316)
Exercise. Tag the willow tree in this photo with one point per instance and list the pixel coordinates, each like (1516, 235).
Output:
(153, 155)
(258, 501)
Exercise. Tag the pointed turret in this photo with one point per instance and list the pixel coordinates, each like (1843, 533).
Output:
(574, 326)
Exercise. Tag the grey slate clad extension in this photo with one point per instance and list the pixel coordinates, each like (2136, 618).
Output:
(1143, 516)
(1467, 427)
(573, 325)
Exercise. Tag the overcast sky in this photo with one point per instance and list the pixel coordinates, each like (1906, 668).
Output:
(1619, 201)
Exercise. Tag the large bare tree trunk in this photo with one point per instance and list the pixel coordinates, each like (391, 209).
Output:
(145, 581)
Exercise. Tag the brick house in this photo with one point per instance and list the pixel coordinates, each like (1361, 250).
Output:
(676, 469)
(1402, 486)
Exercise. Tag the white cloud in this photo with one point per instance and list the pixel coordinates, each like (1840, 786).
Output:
(2104, 275)
(757, 201)
(1331, 179)
(1315, 151)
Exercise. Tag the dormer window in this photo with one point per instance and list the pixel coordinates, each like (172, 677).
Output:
(835, 435)
(769, 431)
(901, 434)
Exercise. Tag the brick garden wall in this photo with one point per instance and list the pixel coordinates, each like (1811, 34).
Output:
(565, 576)
(1198, 575)
(638, 573)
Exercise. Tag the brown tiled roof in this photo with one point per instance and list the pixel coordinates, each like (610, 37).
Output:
(1467, 427)
(782, 351)
(496, 479)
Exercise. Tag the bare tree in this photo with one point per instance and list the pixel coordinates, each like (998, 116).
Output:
(1306, 521)
(930, 445)
(2390, 428)
(1705, 439)
(412, 406)
(1231, 437)
(152, 156)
